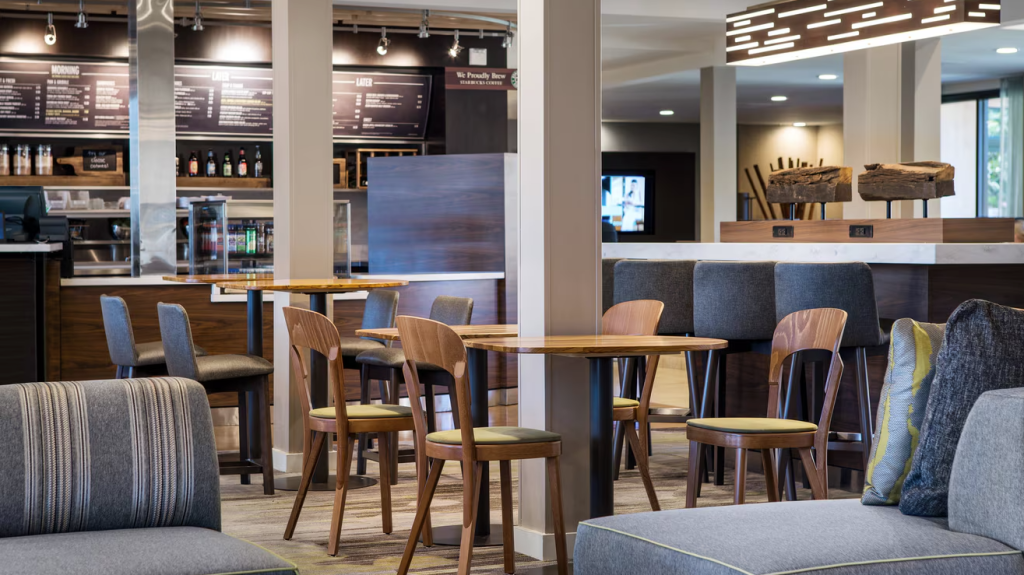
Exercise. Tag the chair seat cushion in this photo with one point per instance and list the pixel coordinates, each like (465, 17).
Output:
(753, 425)
(373, 411)
(214, 367)
(165, 550)
(353, 346)
(623, 402)
(495, 436)
(808, 537)
(392, 357)
(152, 353)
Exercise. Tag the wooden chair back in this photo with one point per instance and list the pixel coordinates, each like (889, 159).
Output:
(313, 331)
(812, 329)
(638, 317)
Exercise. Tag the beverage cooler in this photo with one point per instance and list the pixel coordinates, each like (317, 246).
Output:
(237, 236)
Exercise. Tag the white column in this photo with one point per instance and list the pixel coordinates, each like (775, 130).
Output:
(718, 171)
(303, 182)
(559, 245)
(922, 112)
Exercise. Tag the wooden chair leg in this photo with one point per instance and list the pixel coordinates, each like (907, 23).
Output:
(307, 475)
(557, 516)
(507, 534)
(617, 456)
(244, 454)
(393, 396)
(469, 508)
(642, 462)
(267, 459)
(694, 476)
(741, 476)
(385, 481)
(422, 511)
(768, 462)
(345, 447)
(364, 399)
(422, 473)
(818, 491)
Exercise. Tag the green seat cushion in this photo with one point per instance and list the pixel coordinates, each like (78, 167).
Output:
(753, 425)
(913, 350)
(365, 412)
(495, 436)
(623, 402)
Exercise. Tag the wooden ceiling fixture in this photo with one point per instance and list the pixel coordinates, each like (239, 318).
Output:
(798, 29)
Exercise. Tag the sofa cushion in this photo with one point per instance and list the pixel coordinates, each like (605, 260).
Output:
(908, 380)
(807, 537)
(160, 551)
(983, 351)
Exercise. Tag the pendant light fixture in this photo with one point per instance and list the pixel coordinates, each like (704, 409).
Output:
(382, 46)
(425, 25)
(456, 48)
(197, 20)
(83, 21)
(50, 35)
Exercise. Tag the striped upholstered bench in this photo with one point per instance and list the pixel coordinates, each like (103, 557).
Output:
(114, 477)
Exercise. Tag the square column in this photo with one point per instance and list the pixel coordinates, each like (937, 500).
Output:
(718, 169)
(303, 185)
(559, 246)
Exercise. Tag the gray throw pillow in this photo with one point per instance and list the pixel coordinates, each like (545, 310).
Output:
(983, 351)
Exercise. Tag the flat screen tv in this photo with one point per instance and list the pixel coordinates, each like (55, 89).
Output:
(627, 201)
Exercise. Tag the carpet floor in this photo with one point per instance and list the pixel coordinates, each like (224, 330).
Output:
(251, 516)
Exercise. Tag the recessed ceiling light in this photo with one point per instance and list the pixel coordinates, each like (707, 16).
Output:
(667, 112)
(799, 124)
(827, 77)
(779, 98)
(1006, 51)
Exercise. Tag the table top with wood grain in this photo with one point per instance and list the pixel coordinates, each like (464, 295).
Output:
(216, 278)
(464, 331)
(598, 345)
(331, 285)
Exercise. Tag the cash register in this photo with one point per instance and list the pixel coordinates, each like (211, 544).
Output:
(23, 212)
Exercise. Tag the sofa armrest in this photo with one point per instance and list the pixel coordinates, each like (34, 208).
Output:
(985, 487)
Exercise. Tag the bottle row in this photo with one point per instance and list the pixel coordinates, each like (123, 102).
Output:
(251, 237)
(226, 168)
(21, 163)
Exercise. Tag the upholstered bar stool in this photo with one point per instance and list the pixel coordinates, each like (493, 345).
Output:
(670, 282)
(239, 374)
(386, 365)
(734, 301)
(851, 288)
(608, 283)
(132, 359)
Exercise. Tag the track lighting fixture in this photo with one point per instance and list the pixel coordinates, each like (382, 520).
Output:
(425, 25)
(506, 42)
(197, 20)
(382, 46)
(50, 35)
(456, 48)
(83, 21)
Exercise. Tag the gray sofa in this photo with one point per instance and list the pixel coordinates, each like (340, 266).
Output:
(984, 532)
(115, 477)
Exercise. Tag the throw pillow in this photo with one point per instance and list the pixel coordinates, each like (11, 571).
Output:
(912, 352)
(983, 351)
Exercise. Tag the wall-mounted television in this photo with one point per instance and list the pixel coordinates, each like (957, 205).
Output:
(627, 200)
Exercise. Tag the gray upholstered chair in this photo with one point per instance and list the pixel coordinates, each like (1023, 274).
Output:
(132, 359)
(608, 283)
(851, 288)
(241, 374)
(380, 311)
(385, 365)
(137, 482)
(608, 232)
(734, 301)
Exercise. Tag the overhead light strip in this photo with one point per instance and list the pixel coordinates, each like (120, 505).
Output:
(771, 48)
(855, 9)
(741, 24)
(825, 23)
(889, 20)
(989, 7)
(750, 29)
(738, 17)
(942, 9)
(934, 19)
(780, 40)
(742, 47)
(799, 11)
(779, 32)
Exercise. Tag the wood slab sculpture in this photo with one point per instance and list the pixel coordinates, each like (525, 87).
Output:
(816, 185)
(908, 181)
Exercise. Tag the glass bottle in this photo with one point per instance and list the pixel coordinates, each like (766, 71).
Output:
(177, 166)
(5, 160)
(257, 169)
(270, 237)
(261, 237)
(193, 165)
(211, 165)
(243, 165)
(226, 166)
(250, 237)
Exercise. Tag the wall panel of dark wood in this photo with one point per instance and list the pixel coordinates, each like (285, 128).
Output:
(19, 312)
(476, 121)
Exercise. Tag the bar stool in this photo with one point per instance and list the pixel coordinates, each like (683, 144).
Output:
(851, 288)
(670, 282)
(608, 283)
(386, 364)
(132, 359)
(734, 301)
(241, 374)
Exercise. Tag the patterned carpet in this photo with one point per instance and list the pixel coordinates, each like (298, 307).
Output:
(250, 515)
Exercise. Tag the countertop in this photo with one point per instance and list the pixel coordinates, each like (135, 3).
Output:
(29, 248)
(913, 254)
(158, 280)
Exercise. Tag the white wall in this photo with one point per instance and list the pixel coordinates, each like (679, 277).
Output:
(763, 145)
(960, 149)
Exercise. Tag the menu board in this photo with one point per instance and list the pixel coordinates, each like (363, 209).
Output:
(376, 105)
(223, 100)
(44, 96)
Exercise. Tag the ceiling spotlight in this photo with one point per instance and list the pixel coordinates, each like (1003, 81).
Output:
(779, 98)
(667, 113)
(197, 20)
(83, 22)
(1006, 51)
(425, 25)
(382, 46)
(799, 124)
(827, 77)
(506, 42)
(455, 49)
(50, 35)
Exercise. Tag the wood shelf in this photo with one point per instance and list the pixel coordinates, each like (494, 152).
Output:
(223, 183)
(111, 180)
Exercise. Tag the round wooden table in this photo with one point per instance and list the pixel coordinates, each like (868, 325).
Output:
(317, 290)
(599, 350)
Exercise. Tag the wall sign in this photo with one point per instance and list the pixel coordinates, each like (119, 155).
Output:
(380, 105)
(99, 160)
(223, 100)
(68, 96)
(479, 79)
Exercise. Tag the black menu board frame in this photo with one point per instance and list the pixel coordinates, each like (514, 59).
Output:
(214, 100)
(406, 104)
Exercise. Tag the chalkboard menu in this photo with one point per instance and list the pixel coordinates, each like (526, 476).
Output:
(375, 105)
(222, 100)
(47, 96)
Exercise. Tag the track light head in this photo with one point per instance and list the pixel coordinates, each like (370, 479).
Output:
(425, 25)
(50, 34)
(83, 21)
(382, 46)
(197, 20)
(506, 42)
(456, 48)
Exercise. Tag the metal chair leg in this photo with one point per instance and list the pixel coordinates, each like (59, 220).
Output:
(364, 399)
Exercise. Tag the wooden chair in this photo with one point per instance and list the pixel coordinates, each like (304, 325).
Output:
(314, 331)
(435, 343)
(815, 329)
(639, 317)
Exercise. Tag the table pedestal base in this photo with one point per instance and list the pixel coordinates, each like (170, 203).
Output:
(291, 483)
(451, 536)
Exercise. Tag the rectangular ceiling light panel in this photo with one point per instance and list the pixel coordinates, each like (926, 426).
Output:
(817, 28)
